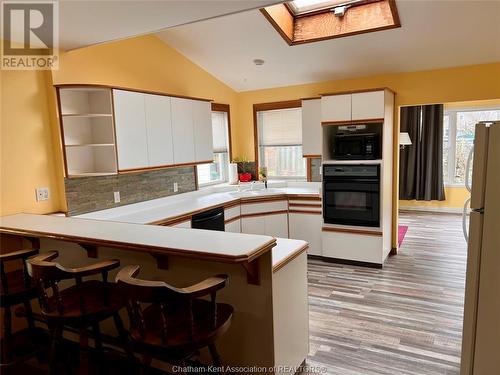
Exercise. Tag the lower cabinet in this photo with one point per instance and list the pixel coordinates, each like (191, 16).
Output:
(233, 226)
(275, 225)
(307, 227)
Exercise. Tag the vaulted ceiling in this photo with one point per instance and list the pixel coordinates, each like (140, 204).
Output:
(434, 34)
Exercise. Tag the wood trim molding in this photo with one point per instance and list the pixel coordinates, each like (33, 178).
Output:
(304, 205)
(144, 91)
(275, 198)
(191, 164)
(232, 204)
(311, 156)
(297, 103)
(61, 132)
(299, 197)
(357, 91)
(228, 221)
(289, 258)
(309, 169)
(352, 122)
(257, 214)
(353, 231)
(186, 253)
(174, 221)
(305, 212)
(282, 15)
(218, 107)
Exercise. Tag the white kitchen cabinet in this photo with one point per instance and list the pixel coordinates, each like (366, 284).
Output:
(276, 225)
(233, 226)
(368, 105)
(183, 131)
(130, 125)
(307, 227)
(253, 225)
(336, 108)
(311, 127)
(203, 137)
(159, 130)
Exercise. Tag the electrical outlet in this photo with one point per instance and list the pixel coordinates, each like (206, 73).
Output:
(42, 194)
(116, 195)
(176, 187)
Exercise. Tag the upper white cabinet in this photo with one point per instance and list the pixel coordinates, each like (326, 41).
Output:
(367, 105)
(131, 135)
(336, 108)
(350, 107)
(159, 130)
(311, 127)
(183, 131)
(203, 138)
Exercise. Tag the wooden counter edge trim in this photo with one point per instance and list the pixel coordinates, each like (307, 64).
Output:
(256, 214)
(255, 200)
(289, 258)
(354, 231)
(356, 91)
(306, 212)
(144, 91)
(307, 205)
(228, 221)
(145, 248)
(305, 197)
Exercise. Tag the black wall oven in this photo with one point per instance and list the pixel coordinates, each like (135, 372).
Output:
(351, 194)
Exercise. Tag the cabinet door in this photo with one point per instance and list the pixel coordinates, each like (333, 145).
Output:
(336, 108)
(159, 130)
(253, 225)
(203, 137)
(233, 226)
(311, 127)
(368, 105)
(307, 227)
(131, 136)
(276, 225)
(183, 130)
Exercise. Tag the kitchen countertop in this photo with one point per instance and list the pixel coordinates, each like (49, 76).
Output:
(184, 204)
(196, 243)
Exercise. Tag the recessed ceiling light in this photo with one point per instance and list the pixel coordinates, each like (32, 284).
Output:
(258, 62)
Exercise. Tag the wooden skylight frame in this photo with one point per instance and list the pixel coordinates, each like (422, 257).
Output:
(365, 16)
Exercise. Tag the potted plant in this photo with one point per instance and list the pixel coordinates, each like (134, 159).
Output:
(244, 169)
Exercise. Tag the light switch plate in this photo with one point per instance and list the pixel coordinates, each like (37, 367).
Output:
(116, 195)
(42, 194)
(176, 187)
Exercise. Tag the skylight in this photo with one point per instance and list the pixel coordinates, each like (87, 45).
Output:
(306, 6)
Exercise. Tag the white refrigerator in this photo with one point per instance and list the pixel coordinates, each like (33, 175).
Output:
(481, 330)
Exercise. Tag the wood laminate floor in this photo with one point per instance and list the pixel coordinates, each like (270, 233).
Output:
(403, 319)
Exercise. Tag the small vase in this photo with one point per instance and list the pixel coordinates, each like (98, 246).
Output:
(245, 177)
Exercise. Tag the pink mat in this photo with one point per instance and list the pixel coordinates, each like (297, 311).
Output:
(402, 229)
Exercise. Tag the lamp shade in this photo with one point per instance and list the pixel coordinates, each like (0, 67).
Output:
(404, 139)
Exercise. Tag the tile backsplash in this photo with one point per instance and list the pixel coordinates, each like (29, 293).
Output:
(87, 194)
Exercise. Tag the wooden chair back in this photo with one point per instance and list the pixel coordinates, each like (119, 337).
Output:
(141, 292)
(20, 255)
(47, 275)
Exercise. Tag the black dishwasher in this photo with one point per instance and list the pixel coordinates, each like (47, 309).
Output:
(211, 220)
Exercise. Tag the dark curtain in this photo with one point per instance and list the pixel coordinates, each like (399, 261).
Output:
(421, 163)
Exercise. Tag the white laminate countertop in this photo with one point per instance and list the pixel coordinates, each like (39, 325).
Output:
(183, 204)
(286, 250)
(201, 244)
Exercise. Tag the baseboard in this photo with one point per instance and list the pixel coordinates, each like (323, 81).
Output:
(444, 210)
(346, 261)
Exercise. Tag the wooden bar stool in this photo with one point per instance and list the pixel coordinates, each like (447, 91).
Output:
(82, 305)
(176, 323)
(17, 287)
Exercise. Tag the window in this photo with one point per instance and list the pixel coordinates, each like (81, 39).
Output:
(280, 143)
(217, 172)
(458, 138)
(306, 6)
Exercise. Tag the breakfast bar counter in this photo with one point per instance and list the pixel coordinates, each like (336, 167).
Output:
(268, 276)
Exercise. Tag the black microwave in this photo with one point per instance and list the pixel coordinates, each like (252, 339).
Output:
(357, 146)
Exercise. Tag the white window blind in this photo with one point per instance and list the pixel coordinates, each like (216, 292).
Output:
(219, 128)
(281, 127)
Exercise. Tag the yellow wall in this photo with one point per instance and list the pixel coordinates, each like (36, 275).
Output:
(27, 151)
(455, 198)
(30, 143)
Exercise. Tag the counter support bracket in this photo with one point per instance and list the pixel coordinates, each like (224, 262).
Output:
(161, 261)
(90, 249)
(253, 271)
